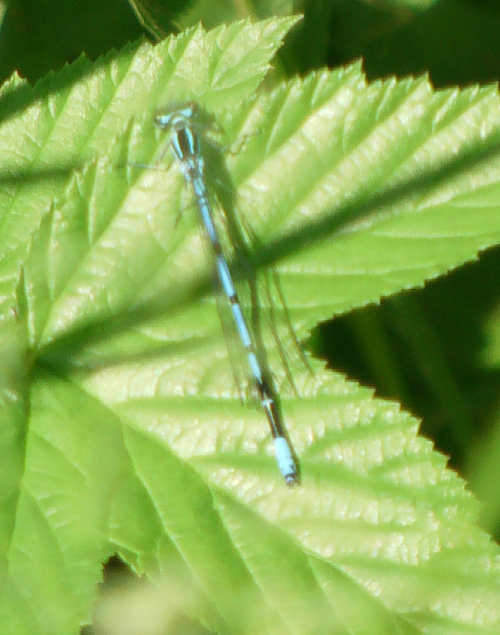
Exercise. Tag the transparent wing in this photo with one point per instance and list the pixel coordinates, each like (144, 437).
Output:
(261, 297)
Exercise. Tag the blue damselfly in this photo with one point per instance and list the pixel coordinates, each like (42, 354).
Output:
(185, 139)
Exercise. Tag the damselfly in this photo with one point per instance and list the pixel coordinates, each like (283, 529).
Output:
(186, 143)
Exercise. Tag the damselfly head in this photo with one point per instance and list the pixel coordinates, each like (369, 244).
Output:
(175, 114)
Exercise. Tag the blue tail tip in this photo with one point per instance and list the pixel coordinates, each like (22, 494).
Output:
(292, 480)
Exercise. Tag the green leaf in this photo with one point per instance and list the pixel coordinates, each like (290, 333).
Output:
(136, 441)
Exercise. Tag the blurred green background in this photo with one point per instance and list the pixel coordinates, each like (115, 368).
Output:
(437, 349)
